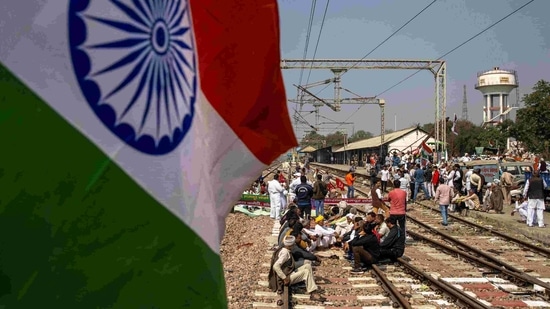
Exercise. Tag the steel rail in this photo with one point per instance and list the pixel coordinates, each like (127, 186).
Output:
(500, 234)
(397, 297)
(446, 287)
(463, 244)
(501, 268)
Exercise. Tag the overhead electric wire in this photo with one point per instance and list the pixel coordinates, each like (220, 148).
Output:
(459, 46)
(447, 53)
(386, 39)
(308, 34)
(318, 39)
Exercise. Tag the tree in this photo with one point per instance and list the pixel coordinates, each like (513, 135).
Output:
(531, 126)
(313, 139)
(428, 127)
(360, 135)
(336, 138)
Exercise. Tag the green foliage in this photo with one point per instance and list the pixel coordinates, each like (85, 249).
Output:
(531, 127)
(360, 135)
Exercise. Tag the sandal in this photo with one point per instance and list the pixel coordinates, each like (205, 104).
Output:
(317, 297)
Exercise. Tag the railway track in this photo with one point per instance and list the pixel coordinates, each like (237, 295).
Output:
(440, 270)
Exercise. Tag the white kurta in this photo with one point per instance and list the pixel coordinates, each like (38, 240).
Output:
(275, 190)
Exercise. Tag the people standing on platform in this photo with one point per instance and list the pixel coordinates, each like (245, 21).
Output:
(395, 161)
(319, 193)
(443, 197)
(304, 193)
(434, 182)
(384, 177)
(534, 191)
(457, 177)
(521, 208)
(398, 205)
(476, 183)
(468, 178)
(428, 179)
(404, 181)
(419, 183)
(275, 190)
(506, 181)
(350, 180)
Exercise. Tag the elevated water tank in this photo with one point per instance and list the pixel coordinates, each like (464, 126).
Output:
(496, 85)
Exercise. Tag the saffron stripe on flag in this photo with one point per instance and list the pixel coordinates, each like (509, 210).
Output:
(124, 209)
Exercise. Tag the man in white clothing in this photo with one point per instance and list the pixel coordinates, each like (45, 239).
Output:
(534, 190)
(344, 226)
(327, 235)
(275, 191)
(283, 268)
(521, 207)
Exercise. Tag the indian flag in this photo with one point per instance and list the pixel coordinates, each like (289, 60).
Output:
(128, 129)
(425, 150)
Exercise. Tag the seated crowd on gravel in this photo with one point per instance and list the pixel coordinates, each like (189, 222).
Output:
(366, 240)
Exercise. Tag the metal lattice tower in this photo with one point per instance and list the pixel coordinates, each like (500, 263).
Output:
(465, 105)
(339, 66)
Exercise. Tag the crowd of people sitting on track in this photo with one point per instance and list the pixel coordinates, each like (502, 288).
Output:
(365, 239)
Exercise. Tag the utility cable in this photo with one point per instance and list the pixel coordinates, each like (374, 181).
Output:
(318, 39)
(385, 40)
(447, 53)
(459, 46)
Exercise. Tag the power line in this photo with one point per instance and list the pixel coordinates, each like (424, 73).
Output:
(447, 53)
(386, 39)
(459, 46)
(318, 39)
(308, 34)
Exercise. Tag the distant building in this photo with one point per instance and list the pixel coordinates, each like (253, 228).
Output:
(403, 140)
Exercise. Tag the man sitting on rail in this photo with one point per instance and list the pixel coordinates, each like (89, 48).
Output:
(283, 271)
(348, 237)
(393, 246)
(365, 248)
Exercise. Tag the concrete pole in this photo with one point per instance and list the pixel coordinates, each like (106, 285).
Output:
(501, 110)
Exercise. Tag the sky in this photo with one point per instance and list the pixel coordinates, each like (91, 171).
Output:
(352, 28)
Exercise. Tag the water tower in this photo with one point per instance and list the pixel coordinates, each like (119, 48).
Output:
(496, 85)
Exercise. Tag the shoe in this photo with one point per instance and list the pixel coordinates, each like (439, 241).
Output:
(357, 271)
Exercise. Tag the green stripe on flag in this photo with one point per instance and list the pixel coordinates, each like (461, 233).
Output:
(77, 232)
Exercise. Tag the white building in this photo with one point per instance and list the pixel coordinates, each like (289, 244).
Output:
(496, 85)
(404, 140)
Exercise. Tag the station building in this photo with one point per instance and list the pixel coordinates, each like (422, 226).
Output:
(404, 140)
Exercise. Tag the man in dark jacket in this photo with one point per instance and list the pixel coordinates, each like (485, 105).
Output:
(366, 249)
(319, 193)
(534, 191)
(304, 193)
(393, 245)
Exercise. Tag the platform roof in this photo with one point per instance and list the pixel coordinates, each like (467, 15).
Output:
(374, 142)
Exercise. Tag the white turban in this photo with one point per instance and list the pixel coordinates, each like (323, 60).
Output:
(289, 240)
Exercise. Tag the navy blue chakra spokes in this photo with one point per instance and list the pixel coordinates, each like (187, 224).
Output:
(135, 64)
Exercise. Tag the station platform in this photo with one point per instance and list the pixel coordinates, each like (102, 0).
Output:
(499, 221)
